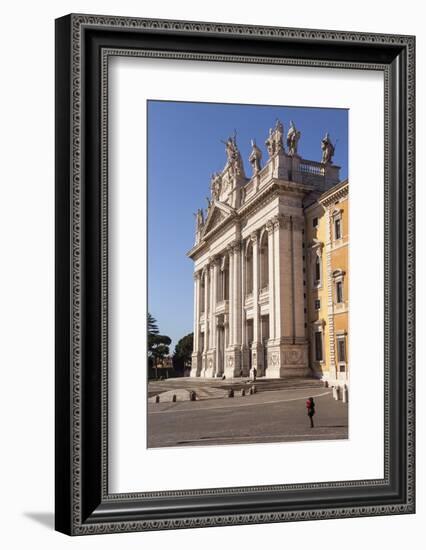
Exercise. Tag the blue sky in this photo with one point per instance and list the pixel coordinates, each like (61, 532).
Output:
(184, 149)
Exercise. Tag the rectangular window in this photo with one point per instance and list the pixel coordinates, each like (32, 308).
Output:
(317, 273)
(317, 304)
(341, 350)
(315, 222)
(339, 292)
(337, 228)
(318, 346)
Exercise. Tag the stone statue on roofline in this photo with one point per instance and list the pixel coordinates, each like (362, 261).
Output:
(255, 157)
(327, 150)
(274, 143)
(233, 155)
(216, 185)
(293, 136)
(209, 205)
(199, 219)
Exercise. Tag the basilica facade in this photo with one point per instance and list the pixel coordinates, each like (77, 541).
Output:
(270, 266)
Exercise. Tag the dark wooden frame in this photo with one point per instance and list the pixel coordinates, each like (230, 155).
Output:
(83, 46)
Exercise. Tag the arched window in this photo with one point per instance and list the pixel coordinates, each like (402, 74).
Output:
(264, 261)
(249, 269)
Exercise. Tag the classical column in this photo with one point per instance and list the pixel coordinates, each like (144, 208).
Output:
(244, 351)
(271, 281)
(256, 326)
(256, 351)
(299, 331)
(211, 304)
(237, 294)
(195, 364)
(196, 310)
(284, 248)
(243, 295)
(277, 277)
(230, 295)
(213, 292)
(206, 309)
(288, 351)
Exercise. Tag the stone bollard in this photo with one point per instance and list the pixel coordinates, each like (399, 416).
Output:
(345, 394)
(254, 389)
(336, 393)
(192, 396)
(231, 393)
(157, 398)
(325, 382)
(174, 398)
(243, 392)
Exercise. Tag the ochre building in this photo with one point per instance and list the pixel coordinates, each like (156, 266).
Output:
(271, 294)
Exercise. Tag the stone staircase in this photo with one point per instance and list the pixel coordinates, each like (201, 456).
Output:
(218, 389)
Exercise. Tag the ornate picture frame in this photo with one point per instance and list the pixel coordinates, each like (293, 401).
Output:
(84, 44)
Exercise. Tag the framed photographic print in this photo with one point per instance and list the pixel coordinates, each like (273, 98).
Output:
(234, 274)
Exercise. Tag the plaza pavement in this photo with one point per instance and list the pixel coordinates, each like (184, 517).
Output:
(276, 413)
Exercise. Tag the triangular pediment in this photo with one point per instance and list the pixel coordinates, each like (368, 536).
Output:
(218, 213)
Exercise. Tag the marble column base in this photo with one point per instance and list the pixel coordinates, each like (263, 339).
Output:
(233, 363)
(196, 365)
(288, 360)
(257, 359)
(245, 361)
(210, 368)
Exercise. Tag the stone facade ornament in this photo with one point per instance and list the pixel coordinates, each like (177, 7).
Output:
(255, 157)
(327, 150)
(216, 185)
(199, 220)
(274, 143)
(209, 205)
(293, 136)
(233, 156)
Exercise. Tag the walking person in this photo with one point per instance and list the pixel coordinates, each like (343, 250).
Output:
(310, 405)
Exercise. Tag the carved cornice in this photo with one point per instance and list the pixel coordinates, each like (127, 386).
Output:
(334, 194)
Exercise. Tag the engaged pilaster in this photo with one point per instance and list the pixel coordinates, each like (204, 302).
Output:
(196, 357)
(256, 348)
(288, 350)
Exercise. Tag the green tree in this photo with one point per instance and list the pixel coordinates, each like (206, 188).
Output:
(158, 344)
(152, 325)
(183, 352)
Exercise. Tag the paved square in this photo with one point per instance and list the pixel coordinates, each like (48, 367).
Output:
(276, 413)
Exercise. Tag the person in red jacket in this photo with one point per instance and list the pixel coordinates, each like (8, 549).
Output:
(310, 405)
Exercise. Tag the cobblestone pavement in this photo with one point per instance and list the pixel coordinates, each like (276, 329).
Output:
(271, 415)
